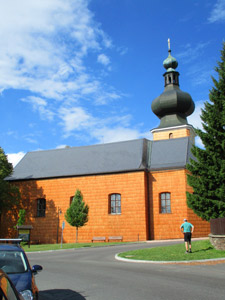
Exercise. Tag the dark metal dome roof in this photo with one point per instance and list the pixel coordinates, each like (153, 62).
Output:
(170, 63)
(173, 105)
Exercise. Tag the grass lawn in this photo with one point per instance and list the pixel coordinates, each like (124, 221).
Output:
(200, 250)
(48, 247)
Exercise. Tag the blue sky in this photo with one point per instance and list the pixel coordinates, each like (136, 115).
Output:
(78, 72)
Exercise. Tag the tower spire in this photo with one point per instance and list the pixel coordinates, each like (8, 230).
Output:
(173, 106)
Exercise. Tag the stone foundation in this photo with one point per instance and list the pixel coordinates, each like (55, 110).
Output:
(218, 241)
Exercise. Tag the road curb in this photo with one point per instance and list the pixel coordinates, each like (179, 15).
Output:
(202, 261)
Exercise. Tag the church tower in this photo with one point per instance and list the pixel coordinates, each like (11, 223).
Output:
(173, 106)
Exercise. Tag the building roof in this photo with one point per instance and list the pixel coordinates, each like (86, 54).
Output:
(86, 160)
(127, 156)
(170, 154)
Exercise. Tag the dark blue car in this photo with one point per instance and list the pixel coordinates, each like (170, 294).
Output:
(7, 289)
(14, 262)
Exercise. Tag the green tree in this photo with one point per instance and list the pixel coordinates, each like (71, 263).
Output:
(77, 214)
(22, 216)
(207, 176)
(9, 194)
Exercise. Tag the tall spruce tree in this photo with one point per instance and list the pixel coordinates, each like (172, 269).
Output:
(207, 176)
(77, 214)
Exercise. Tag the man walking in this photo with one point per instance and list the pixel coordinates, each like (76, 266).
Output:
(187, 229)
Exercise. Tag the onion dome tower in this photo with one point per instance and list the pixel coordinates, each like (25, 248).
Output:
(173, 106)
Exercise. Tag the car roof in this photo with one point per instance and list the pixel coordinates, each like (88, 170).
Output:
(10, 247)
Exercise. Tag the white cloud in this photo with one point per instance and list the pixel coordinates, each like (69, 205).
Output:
(218, 12)
(107, 130)
(14, 158)
(198, 142)
(40, 105)
(75, 118)
(122, 50)
(103, 59)
(196, 122)
(198, 73)
(30, 140)
(62, 146)
(191, 52)
(108, 135)
(44, 45)
(44, 50)
(103, 130)
(195, 119)
(148, 135)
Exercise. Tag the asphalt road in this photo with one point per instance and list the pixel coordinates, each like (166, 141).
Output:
(94, 274)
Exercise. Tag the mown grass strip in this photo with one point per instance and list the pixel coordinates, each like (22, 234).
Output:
(200, 250)
(49, 247)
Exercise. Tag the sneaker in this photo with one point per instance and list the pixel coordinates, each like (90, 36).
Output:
(186, 252)
(190, 251)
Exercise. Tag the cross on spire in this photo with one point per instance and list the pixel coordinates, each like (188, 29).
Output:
(169, 44)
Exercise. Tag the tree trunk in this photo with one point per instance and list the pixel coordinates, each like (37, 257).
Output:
(76, 234)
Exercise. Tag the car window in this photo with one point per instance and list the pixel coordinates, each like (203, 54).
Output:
(7, 291)
(13, 262)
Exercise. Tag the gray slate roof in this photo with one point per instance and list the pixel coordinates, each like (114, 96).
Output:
(170, 154)
(135, 155)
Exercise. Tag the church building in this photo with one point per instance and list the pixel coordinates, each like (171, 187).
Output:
(134, 189)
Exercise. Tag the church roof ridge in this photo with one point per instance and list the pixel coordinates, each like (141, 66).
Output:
(80, 161)
(126, 156)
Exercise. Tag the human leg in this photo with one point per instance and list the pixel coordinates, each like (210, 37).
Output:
(186, 241)
(186, 247)
(190, 245)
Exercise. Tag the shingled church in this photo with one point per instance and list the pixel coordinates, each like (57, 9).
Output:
(134, 189)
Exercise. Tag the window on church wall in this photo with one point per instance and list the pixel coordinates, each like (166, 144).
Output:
(41, 207)
(115, 204)
(165, 203)
(171, 135)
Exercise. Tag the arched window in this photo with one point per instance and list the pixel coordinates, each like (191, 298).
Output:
(165, 203)
(115, 204)
(41, 207)
(171, 135)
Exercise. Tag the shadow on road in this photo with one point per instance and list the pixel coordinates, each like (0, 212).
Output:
(60, 295)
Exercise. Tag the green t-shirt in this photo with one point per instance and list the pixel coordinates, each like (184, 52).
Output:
(186, 226)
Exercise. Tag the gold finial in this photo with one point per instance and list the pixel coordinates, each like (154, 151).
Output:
(169, 44)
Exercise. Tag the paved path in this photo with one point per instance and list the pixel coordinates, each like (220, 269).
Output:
(94, 274)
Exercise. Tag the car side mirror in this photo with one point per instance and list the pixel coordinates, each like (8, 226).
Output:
(36, 268)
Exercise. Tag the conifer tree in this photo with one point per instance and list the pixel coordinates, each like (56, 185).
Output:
(77, 214)
(207, 176)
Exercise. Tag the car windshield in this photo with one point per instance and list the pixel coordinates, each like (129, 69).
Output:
(13, 262)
